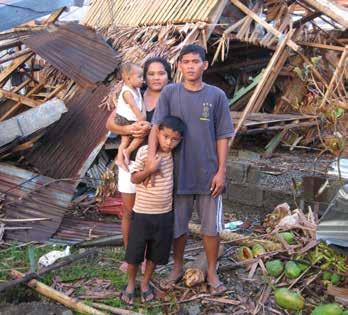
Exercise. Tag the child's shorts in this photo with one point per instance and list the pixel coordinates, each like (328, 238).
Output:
(122, 121)
(153, 232)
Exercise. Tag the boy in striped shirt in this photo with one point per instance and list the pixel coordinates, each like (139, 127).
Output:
(152, 220)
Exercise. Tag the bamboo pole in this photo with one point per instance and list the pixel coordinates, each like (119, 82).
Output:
(278, 34)
(58, 296)
(114, 310)
(263, 81)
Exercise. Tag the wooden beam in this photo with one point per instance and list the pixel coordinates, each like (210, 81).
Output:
(4, 75)
(309, 17)
(323, 46)
(21, 86)
(19, 98)
(340, 67)
(55, 16)
(11, 44)
(281, 47)
(220, 6)
(18, 104)
(277, 34)
(15, 55)
(58, 88)
(330, 9)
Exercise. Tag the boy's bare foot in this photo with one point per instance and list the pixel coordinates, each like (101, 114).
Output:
(174, 277)
(127, 296)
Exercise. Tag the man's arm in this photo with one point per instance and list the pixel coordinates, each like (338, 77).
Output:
(153, 142)
(218, 181)
(150, 168)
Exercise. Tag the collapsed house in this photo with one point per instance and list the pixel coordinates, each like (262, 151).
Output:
(282, 66)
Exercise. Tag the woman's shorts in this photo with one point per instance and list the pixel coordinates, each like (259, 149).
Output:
(125, 184)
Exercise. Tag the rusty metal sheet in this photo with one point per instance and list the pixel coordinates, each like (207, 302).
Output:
(26, 195)
(70, 146)
(75, 50)
(75, 229)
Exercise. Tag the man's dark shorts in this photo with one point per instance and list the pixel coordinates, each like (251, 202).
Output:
(153, 232)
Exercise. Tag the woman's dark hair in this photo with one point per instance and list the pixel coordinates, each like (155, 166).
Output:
(163, 61)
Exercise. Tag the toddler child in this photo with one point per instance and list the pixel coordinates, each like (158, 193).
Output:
(129, 109)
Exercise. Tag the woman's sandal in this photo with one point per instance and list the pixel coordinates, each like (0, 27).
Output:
(148, 295)
(127, 297)
(217, 289)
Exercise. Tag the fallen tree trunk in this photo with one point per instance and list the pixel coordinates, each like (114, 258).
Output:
(58, 296)
(32, 275)
(196, 271)
(225, 235)
(112, 240)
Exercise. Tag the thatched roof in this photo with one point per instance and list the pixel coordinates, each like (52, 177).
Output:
(139, 13)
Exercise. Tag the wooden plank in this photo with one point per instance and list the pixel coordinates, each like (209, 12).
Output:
(317, 45)
(267, 73)
(55, 16)
(330, 9)
(21, 86)
(214, 18)
(19, 98)
(278, 34)
(307, 18)
(4, 75)
(18, 104)
(11, 44)
(15, 55)
(340, 67)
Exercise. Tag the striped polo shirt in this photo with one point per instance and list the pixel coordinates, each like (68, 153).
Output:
(155, 199)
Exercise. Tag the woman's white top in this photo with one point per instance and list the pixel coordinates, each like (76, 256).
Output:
(123, 109)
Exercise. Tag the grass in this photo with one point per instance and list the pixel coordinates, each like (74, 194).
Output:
(102, 266)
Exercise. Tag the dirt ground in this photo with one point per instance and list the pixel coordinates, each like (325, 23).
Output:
(34, 308)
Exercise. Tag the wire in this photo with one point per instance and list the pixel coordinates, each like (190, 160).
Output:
(24, 8)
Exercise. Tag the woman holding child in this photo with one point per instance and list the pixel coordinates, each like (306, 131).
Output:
(157, 74)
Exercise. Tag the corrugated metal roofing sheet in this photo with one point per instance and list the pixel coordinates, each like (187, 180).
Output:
(27, 195)
(75, 50)
(75, 229)
(70, 146)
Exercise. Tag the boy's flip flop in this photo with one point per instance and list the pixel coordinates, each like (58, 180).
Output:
(148, 295)
(217, 289)
(127, 297)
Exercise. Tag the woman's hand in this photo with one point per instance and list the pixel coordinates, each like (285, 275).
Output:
(140, 129)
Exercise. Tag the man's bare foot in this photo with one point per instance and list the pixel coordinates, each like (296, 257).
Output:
(174, 277)
(216, 287)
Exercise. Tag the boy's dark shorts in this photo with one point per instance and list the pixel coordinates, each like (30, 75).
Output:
(153, 232)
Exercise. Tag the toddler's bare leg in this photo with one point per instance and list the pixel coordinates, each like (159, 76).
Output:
(134, 144)
(119, 161)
